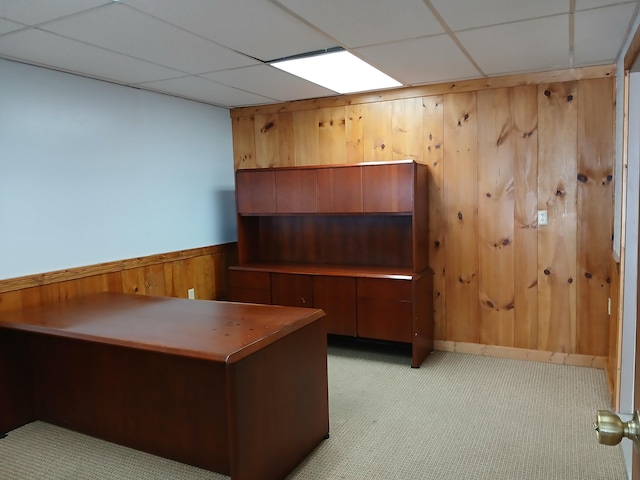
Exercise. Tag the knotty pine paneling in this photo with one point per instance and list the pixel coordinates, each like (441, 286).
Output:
(557, 190)
(525, 232)
(461, 217)
(274, 142)
(496, 191)
(615, 333)
(407, 141)
(170, 274)
(319, 136)
(377, 134)
(354, 131)
(594, 204)
(244, 145)
(331, 137)
(499, 278)
(433, 124)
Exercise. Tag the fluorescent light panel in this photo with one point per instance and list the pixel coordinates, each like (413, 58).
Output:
(340, 71)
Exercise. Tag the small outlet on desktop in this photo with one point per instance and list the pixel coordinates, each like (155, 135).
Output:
(191, 293)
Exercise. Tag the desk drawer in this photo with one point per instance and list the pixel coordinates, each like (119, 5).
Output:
(384, 288)
(384, 309)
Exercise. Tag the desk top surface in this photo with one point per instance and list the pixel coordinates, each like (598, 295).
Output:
(219, 331)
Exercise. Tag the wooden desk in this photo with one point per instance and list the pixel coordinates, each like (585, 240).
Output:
(239, 389)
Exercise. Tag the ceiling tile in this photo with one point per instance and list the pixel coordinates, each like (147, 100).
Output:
(533, 45)
(47, 49)
(254, 27)
(419, 61)
(364, 22)
(598, 36)
(125, 30)
(7, 26)
(464, 14)
(270, 82)
(198, 88)
(586, 4)
(33, 12)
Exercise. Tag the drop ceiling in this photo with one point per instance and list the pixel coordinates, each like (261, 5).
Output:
(215, 51)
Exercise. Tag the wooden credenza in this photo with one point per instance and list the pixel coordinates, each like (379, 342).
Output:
(349, 239)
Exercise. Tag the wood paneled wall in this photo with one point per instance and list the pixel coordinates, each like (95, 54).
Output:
(499, 150)
(170, 274)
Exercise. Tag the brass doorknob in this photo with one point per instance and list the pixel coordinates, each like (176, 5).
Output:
(610, 430)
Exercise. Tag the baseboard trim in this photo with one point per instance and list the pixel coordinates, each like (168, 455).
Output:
(40, 279)
(574, 359)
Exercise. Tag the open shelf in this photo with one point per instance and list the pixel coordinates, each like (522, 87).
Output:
(350, 239)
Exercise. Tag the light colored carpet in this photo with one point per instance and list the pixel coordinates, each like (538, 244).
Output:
(457, 417)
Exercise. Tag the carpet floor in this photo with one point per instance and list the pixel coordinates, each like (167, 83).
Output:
(457, 417)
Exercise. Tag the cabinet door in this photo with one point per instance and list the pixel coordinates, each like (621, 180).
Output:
(292, 290)
(385, 309)
(388, 188)
(337, 297)
(249, 287)
(340, 190)
(296, 191)
(255, 191)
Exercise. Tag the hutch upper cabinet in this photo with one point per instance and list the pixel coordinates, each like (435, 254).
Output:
(350, 239)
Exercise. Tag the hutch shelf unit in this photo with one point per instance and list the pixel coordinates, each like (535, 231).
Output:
(349, 239)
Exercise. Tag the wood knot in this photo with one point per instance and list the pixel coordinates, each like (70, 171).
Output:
(558, 193)
(135, 289)
(382, 146)
(582, 178)
(505, 242)
(267, 127)
(588, 275)
(547, 93)
(547, 271)
(488, 195)
(608, 280)
(436, 244)
(490, 304)
(609, 178)
(459, 215)
(569, 98)
(570, 280)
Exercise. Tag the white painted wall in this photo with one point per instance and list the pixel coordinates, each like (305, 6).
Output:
(92, 172)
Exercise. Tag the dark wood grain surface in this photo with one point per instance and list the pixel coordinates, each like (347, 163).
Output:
(238, 389)
(220, 331)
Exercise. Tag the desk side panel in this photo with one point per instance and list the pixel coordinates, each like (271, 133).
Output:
(16, 381)
(279, 408)
(167, 405)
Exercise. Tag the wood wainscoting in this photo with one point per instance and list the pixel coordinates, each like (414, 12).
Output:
(167, 275)
(614, 359)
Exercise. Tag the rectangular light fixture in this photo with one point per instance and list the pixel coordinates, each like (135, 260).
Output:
(339, 71)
